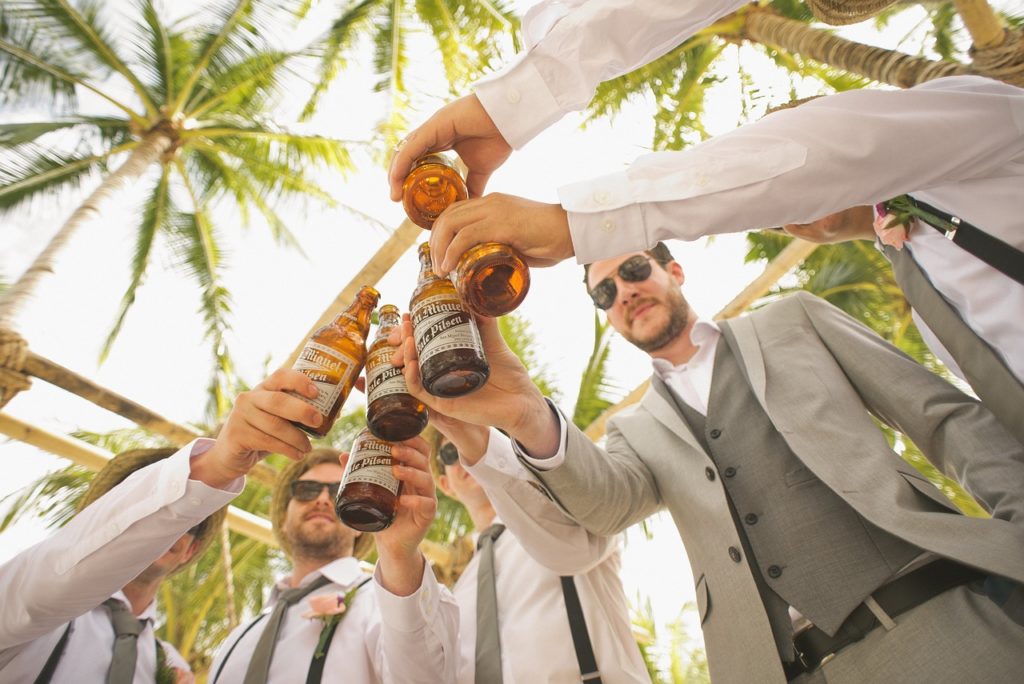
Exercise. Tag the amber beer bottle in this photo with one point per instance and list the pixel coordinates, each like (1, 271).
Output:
(391, 412)
(431, 186)
(368, 494)
(334, 356)
(451, 355)
(491, 278)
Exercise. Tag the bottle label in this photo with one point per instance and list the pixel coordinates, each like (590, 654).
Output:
(371, 463)
(441, 323)
(383, 379)
(329, 370)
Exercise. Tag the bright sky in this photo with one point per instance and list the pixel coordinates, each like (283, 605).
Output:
(161, 360)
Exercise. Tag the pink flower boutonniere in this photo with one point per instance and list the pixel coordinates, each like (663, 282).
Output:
(329, 609)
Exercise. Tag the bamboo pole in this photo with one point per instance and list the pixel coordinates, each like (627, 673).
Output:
(984, 25)
(90, 457)
(404, 237)
(793, 254)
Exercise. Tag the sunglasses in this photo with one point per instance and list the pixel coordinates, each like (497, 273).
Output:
(635, 269)
(309, 490)
(448, 454)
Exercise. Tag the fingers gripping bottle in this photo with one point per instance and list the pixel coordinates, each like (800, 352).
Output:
(334, 356)
(451, 354)
(491, 278)
(391, 412)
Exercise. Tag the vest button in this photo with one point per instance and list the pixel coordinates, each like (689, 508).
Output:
(715, 434)
(734, 553)
(710, 473)
(774, 571)
(750, 519)
(729, 472)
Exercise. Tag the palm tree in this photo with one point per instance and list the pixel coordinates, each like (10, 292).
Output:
(186, 103)
(468, 34)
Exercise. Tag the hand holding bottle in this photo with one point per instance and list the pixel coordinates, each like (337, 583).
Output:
(463, 126)
(260, 423)
(538, 231)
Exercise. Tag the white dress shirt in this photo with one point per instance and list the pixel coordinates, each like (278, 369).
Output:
(956, 143)
(67, 576)
(381, 637)
(539, 545)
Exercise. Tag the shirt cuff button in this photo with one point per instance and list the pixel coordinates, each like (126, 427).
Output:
(608, 225)
(513, 96)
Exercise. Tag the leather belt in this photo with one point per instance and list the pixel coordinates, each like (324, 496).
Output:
(812, 645)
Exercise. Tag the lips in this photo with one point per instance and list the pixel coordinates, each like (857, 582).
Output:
(320, 515)
(640, 308)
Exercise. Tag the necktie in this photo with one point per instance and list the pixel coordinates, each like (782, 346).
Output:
(488, 643)
(126, 638)
(259, 666)
(995, 384)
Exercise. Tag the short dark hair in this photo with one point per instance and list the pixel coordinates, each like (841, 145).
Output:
(659, 253)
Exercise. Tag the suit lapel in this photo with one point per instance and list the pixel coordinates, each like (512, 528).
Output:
(740, 334)
(662, 405)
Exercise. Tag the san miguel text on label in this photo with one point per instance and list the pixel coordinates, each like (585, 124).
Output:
(334, 356)
(391, 412)
(368, 495)
(492, 279)
(451, 355)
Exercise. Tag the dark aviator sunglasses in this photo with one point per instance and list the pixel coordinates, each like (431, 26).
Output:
(635, 269)
(309, 490)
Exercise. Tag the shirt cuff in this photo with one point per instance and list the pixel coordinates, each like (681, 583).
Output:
(196, 500)
(542, 464)
(519, 102)
(604, 220)
(199, 447)
(409, 613)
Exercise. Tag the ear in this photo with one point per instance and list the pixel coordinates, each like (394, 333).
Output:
(676, 271)
(444, 484)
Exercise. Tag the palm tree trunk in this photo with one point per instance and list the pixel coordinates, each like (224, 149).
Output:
(154, 144)
(879, 64)
(984, 25)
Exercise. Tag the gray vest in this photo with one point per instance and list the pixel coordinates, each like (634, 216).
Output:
(999, 389)
(806, 547)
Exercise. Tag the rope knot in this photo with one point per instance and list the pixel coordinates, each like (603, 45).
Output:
(13, 352)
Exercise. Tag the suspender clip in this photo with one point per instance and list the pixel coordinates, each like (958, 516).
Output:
(951, 232)
(591, 677)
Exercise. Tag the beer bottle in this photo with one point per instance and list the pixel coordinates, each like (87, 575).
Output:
(391, 412)
(368, 494)
(491, 278)
(431, 186)
(334, 356)
(451, 355)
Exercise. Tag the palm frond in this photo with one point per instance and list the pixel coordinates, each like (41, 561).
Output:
(32, 173)
(112, 131)
(155, 215)
(154, 50)
(596, 393)
(27, 82)
(243, 88)
(523, 343)
(52, 498)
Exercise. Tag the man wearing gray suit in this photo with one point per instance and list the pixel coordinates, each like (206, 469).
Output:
(819, 554)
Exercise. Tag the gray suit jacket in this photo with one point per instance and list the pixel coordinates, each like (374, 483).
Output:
(819, 375)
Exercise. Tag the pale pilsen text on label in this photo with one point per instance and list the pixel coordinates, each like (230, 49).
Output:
(329, 370)
(371, 463)
(441, 323)
(383, 379)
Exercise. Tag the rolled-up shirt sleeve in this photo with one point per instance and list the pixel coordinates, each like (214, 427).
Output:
(105, 546)
(576, 45)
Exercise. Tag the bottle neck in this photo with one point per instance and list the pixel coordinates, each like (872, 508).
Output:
(388, 322)
(358, 312)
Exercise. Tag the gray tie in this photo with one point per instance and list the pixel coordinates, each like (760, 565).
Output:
(126, 639)
(995, 384)
(488, 643)
(259, 666)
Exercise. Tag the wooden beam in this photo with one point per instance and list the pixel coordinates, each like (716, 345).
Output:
(88, 456)
(405, 236)
(791, 256)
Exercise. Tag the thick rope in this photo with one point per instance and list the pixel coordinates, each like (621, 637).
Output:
(842, 12)
(13, 352)
(1004, 62)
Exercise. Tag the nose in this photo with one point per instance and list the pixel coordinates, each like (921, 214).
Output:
(324, 497)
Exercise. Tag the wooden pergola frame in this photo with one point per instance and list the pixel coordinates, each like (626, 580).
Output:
(254, 526)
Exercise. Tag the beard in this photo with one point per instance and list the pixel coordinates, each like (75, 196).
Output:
(678, 317)
(310, 540)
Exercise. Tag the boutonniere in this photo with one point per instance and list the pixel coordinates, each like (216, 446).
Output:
(893, 221)
(329, 609)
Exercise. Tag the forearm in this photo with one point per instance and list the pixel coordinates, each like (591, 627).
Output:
(798, 165)
(103, 548)
(575, 47)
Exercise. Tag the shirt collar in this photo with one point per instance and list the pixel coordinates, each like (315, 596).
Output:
(344, 572)
(703, 332)
(149, 613)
